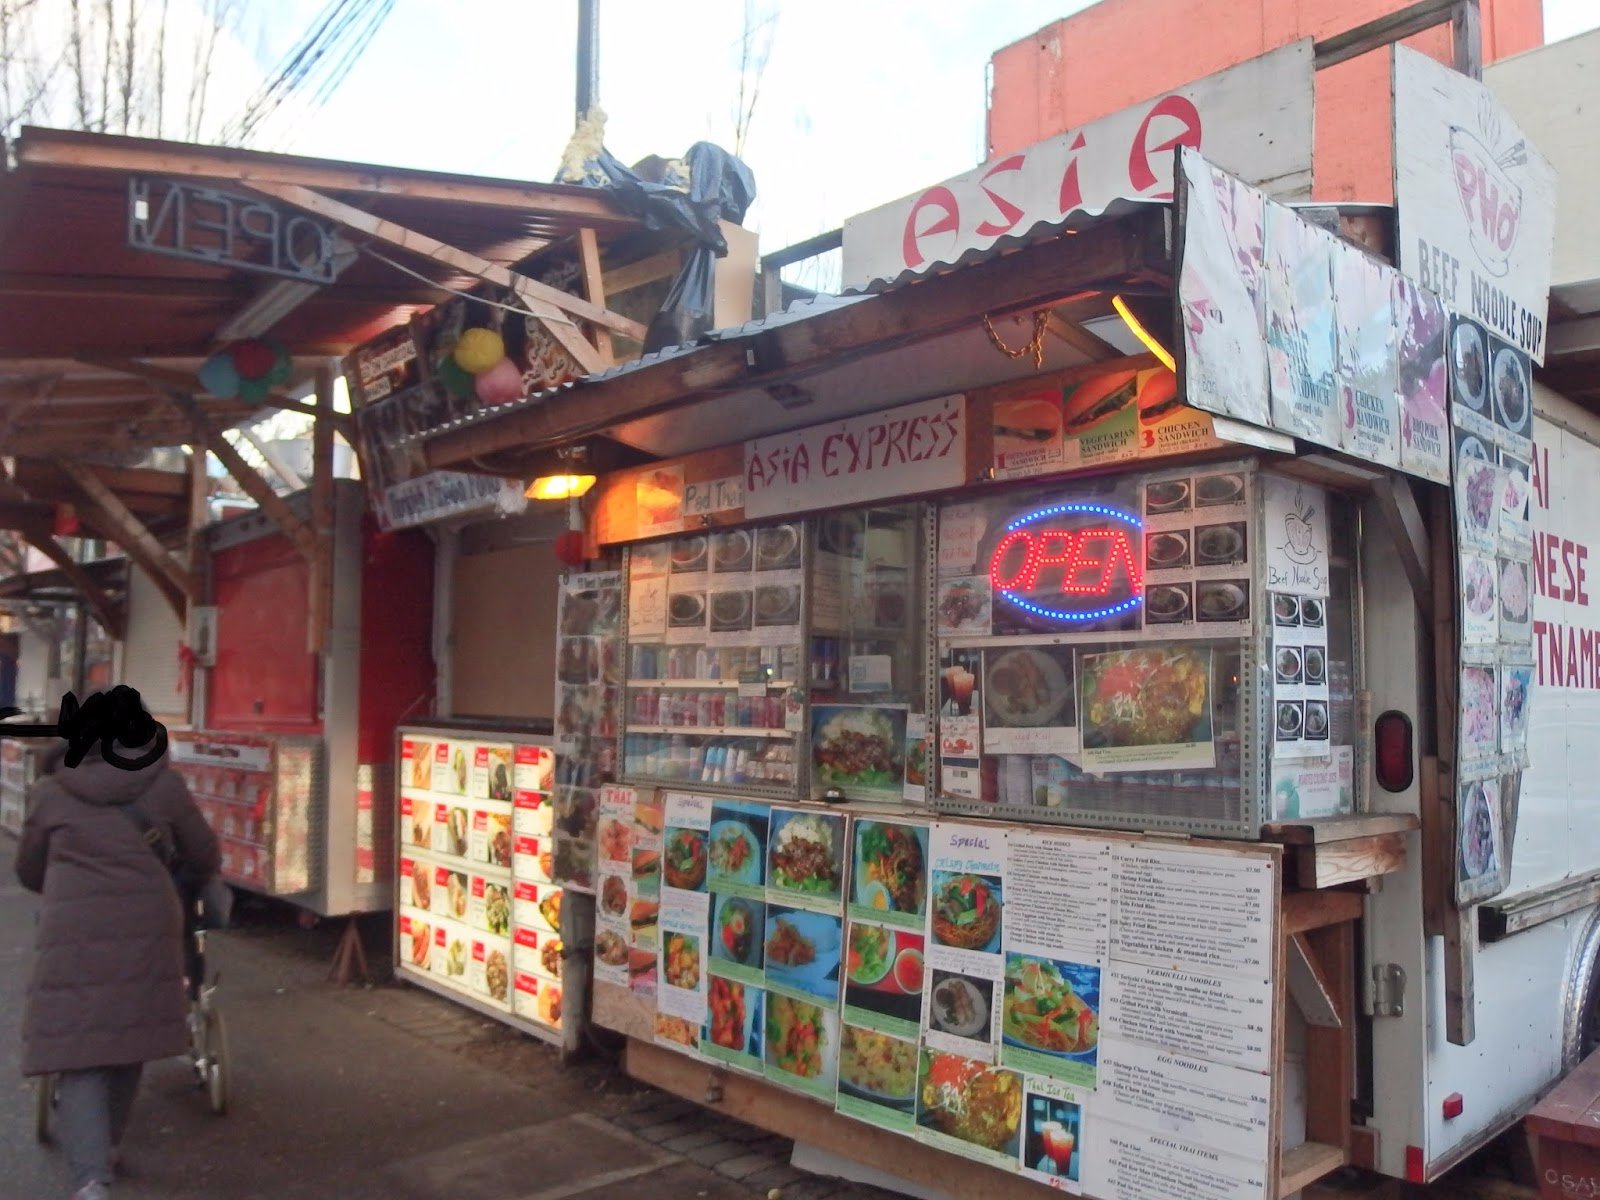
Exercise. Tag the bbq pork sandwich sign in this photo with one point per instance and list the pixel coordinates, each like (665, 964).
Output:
(1476, 199)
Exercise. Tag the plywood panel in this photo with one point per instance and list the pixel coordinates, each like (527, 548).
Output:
(503, 633)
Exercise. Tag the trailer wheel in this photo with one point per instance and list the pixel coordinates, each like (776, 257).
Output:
(1581, 1036)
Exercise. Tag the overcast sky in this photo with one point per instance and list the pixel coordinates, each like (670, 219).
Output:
(861, 101)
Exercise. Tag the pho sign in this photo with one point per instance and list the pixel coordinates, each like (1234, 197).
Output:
(208, 225)
(1477, 201)
(1253, 120)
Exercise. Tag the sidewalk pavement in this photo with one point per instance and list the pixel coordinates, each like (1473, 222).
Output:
(383, 1092)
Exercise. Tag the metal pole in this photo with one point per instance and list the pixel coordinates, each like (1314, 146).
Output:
(588, 55)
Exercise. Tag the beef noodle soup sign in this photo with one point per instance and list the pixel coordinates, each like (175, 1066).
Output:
(1070, 566)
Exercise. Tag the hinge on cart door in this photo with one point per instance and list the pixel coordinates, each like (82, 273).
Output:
(1387, 996)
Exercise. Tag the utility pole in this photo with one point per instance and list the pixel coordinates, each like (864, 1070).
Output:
(588, 55)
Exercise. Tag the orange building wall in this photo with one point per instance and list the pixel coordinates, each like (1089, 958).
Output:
(1120, 52)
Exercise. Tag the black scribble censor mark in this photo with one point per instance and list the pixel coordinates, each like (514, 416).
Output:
(113, 718)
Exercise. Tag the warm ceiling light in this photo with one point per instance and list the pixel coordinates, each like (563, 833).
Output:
(559, 487)
(1136, 327)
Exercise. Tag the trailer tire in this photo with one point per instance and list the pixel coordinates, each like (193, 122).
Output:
(1581, 1004)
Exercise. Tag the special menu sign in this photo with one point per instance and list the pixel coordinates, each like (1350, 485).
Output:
(902, 451)
(1477, 201)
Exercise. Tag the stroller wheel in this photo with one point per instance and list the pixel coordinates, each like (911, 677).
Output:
(214, 1059)
(44, 1107)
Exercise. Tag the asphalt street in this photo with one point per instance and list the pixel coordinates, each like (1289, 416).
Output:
(362, 1093)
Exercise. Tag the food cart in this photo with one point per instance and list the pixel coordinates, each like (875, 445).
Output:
(1106, 777)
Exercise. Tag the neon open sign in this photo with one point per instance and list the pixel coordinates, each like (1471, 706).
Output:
(1070, 562)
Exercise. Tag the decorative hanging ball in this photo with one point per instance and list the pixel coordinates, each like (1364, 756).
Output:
(569, 547)
(500, 384)
(255, 390)
(253, 357)
(456, 379)
(282, 366)
(479, 349)
(219, 376)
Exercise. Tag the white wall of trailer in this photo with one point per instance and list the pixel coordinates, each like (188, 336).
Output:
(150, 660)
(1520, 983)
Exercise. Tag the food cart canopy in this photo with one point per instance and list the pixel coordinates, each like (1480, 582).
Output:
(79, 302)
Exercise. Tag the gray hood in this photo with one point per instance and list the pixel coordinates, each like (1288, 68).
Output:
(95, 781)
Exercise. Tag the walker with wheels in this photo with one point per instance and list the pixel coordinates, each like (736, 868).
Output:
(208, 1033)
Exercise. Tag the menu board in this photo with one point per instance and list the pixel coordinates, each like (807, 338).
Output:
(1491, 412)
(1086, 1011)
(588, 686)
(478, 910)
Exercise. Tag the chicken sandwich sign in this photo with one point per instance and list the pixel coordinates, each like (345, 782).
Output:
(1476, 199)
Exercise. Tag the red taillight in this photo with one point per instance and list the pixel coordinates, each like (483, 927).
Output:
(1393, 750)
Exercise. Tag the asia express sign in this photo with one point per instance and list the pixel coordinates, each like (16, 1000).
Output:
(1252, 120)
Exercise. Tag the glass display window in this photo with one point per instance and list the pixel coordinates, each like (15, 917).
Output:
(1095, 644)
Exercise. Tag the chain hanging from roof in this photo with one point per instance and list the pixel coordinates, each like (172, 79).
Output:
(1033, 346)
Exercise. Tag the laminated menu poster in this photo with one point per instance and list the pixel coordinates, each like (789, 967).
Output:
(1196, 554)
(1421, 326)
(803, 948)
(1300, 327)
(1193, 910)
(918, 755)
(1208, 1104)
(1516, 683)
(1225, 1019)
(684, 916)
(1314, 789)
(965, 955)
(614, 893)
(1054, 1120)
(1029, 705)
(1057, 912)
(644, 893)
(1368, 387)
(1516, 493)
(1480, 600)
(1491, 388)
(877, 1077)
(885, 957)
(1300, 694)
(859, 749)
(1131, 1161)
(1146, 710)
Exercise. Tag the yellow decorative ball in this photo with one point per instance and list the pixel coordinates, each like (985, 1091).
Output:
(478, 350)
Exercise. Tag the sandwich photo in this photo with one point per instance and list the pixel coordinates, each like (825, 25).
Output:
(1098, 399)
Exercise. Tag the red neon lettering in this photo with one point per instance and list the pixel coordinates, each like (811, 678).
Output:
(1086, 560)
(1008, 210)
(1140, 173)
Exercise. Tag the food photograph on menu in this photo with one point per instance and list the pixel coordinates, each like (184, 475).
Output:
(876, 1069)
(884, 970)
(738, 846)
(967, 913)
(806, 858)
(738, 937)
(804, 951)
(972, 1104)
(859, 750)
(962, 1006)
(802, 1045)
(735, 1023)
(1050, 1022)
(889, 874)
(1147, 708)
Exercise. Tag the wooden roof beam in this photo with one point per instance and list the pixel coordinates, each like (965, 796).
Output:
(176, 581)
(37, 147)
(127, 287)
(39, 535)
(258, 489)
(555, 309)
(169, 381)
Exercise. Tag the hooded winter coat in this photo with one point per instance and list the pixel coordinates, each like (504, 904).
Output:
(107, 985)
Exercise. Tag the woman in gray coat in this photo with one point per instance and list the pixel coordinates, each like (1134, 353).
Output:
(107, 991)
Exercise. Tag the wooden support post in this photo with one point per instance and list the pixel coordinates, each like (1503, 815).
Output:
(130, 533)
(110, 615)
(321, 574)
(555, 309)
(594, 289)
(1331, 1049)
(257, 488)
